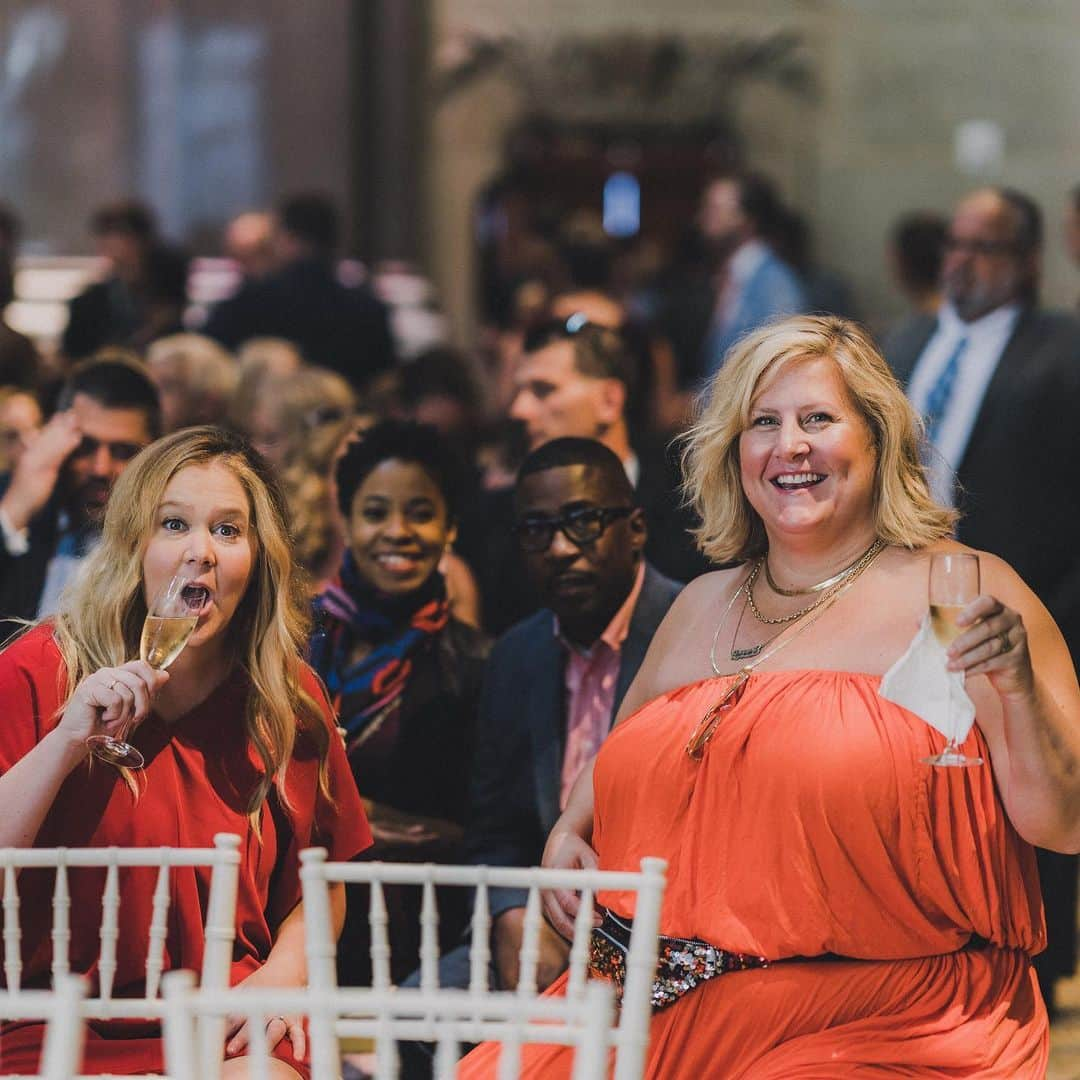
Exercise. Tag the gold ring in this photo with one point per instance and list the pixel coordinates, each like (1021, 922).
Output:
(1006, 644)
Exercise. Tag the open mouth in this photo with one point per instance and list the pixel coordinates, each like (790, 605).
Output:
(797, 481)
(196, 598)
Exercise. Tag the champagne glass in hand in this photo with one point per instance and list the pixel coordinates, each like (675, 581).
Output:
(170, 620)
(954, 583)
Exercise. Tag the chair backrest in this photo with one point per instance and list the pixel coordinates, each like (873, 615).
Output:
(220, 926)
(630, 1037)
(65, 1032)
(445, 1017)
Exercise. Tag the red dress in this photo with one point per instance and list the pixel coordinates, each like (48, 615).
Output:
(199, 773)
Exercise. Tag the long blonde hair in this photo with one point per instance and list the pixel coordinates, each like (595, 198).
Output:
(101, 613)
(730, 530)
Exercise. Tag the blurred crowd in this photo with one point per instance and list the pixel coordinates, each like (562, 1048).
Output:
(526, 489)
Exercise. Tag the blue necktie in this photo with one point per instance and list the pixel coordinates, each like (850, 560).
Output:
(937, 401)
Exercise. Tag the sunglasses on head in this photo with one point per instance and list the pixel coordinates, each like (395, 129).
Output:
(580, 525)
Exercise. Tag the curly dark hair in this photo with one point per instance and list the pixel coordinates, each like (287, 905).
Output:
(400, 440)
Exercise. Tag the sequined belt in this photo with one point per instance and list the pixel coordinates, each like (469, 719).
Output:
(681, 963)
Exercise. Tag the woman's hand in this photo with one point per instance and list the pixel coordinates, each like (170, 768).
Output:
(995, 645)
(392, 828)
(238, 1030)
(111, 701)
(566, 850)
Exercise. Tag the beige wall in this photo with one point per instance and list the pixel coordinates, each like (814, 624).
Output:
(897, 77)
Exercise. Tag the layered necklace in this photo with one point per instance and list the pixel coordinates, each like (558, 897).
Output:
(708, 724)
(823, 591)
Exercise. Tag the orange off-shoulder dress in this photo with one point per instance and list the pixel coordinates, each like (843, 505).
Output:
(895, 903)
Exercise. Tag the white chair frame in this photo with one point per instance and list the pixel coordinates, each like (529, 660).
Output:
(65, 1032)
(447, 1018)
(219, 928)
(630, 1037)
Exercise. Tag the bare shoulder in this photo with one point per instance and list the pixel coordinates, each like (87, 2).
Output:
(679, 652)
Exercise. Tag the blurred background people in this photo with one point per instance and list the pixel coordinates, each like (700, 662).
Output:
(19, 362)
(997, 380)
(52, 507)
(144, 293)
(301, 424)
(344, 328)
(403, 673)
(248, 240)
(915, 252)
(195, 379)
(20, 421)
(1072, 226)
(739, 218)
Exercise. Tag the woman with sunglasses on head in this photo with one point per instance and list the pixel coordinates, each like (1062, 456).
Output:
(849, 894)
(236, 736)
(403, 673)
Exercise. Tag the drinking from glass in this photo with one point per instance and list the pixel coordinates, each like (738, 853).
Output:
(171, 618)
(954, 583)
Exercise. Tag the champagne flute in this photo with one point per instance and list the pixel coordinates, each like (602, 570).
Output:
(170, 620)
(954, 583)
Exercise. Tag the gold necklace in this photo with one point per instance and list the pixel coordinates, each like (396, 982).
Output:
(707, 725)
(856, 568)
(820, 586)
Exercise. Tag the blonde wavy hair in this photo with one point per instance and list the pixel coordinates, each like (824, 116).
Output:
(731, 530)
(101, 613)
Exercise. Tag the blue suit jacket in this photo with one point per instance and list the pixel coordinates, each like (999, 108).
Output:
(517, 766)
(773, 290)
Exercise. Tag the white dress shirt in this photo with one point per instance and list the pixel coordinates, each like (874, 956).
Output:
(986, 341)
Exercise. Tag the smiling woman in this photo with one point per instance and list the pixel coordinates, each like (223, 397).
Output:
(238, 695)
(403, 673)
(856, 892)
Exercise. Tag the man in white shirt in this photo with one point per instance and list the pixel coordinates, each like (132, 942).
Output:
(997, 382)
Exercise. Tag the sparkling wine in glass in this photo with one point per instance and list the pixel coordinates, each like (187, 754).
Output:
(954, 583)
(170, 620)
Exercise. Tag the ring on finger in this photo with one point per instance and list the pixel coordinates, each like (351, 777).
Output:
(112, 685)
(273, 1018)
(1006, 644)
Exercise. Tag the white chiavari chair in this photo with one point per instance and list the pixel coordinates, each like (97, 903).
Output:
(631, 1034)
(447, 1018)
(65, 1031)
(102, 1004)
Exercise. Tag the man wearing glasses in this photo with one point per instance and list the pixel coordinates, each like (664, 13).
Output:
(997, 381)
(51, 511)
(554, 681)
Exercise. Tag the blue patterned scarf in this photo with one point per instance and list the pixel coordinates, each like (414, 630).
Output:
(349, 612)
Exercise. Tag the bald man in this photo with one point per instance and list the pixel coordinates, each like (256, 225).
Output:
(997, 381)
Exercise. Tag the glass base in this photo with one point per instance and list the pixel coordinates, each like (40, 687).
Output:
(115, 751)
(952, 759)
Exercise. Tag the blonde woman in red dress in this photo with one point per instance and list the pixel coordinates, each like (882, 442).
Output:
(237, 737)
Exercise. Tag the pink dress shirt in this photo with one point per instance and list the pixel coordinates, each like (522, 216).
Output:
(591, 677)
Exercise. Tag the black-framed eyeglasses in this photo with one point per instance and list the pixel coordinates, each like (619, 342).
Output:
(580, 525)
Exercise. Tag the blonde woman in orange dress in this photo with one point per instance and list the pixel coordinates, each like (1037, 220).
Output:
(873, 915)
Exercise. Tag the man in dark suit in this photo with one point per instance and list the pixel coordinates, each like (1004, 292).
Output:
(52, 508)
(555, 680)
(343, 328)
(998, 383)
